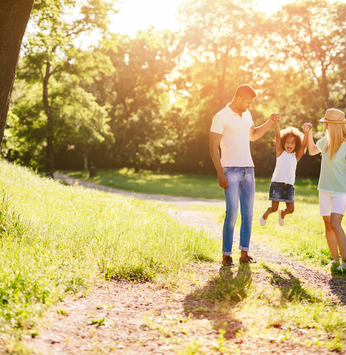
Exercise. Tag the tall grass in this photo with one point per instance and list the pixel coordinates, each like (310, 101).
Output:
(56, 239)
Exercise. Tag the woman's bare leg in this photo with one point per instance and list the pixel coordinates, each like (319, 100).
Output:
(335, 223)
(331, 238)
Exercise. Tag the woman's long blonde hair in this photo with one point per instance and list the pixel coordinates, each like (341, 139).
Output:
(336, 136)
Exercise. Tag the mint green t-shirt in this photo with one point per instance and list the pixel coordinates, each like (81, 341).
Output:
(333, 172)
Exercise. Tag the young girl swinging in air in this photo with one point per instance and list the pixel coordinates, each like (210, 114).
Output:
(290, 146)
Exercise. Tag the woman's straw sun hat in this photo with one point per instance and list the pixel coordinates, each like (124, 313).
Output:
(334, 116)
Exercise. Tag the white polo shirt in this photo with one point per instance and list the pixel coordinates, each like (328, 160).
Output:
(235, 140)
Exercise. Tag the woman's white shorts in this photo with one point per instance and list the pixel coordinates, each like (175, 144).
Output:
(332, 203)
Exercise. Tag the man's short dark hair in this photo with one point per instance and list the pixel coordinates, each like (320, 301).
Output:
(245, 90)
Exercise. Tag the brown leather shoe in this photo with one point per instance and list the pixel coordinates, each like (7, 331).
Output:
(247, 259)
(227, 261)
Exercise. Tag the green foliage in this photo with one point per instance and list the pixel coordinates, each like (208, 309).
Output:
(217, 64)
(67, 113)
(98, 321)
(147, 102)
(79, 120)
(138, 96)
(313, 33)
(233, 288)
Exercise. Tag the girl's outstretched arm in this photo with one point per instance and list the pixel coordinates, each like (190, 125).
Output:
(303, 146)
(313, 150)
(278, 146)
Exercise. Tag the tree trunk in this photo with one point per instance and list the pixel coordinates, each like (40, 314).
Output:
(137, 168)
(50, 155)
(50, 125)
(14, 16)
(324, 87)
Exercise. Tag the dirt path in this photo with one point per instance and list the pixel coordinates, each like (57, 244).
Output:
(179, 201)
(130, 318)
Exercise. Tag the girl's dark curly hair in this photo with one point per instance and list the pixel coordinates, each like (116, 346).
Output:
(292, 131)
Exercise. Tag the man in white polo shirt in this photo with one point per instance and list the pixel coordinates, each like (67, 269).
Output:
(231, 131)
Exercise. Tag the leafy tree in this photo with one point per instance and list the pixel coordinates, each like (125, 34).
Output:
(51, 57)
(79, 121)
(138, 96)
(312, 37)
(219, 34)
(14, 16)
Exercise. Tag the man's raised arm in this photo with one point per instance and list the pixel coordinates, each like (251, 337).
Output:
(258, 132)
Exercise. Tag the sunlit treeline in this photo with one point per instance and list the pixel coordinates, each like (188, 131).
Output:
(147, 102)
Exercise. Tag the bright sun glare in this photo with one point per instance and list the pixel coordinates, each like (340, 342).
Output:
(139, 14)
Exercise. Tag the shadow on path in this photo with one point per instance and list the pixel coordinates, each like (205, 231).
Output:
(290, 286)
(338, 286)
(222, 293)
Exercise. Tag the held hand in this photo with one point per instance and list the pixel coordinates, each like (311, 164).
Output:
(307, 127)
(275, 116)
(223, 181)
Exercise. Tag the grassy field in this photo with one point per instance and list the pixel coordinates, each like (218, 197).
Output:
(185, 184)
(58, 239)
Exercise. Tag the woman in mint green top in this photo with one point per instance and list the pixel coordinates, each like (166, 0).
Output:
(332, 182)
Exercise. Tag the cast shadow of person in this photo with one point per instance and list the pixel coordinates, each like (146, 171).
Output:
(218, 297)
(338, 286)
(290, 286)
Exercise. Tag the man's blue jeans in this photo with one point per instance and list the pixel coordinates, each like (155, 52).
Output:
(241, 187)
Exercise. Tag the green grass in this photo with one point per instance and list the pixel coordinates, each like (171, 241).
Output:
(57, 239)
(187, 185)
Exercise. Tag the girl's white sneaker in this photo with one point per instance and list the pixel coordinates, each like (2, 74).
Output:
(262, 221)
(342, 267)
(281, 220)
